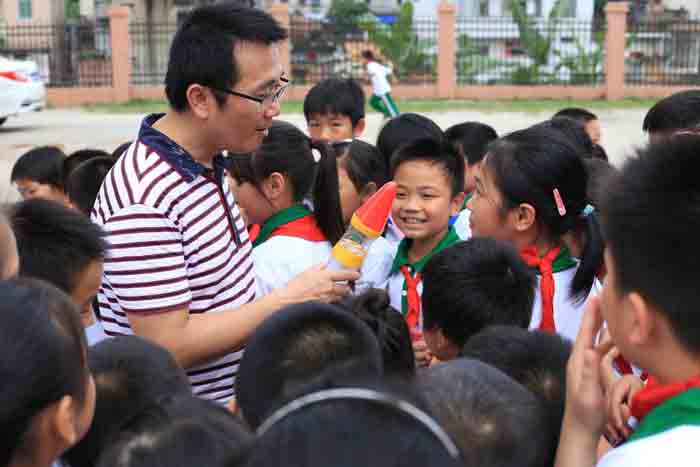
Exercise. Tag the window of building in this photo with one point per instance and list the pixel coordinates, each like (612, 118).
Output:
(25, 9)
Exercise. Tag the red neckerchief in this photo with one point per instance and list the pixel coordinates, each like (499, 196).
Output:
(305, 228)
(413, 300)
(655, 394)
(544, 264)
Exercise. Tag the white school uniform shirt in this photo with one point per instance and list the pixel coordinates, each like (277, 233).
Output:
(461, 225)
(95, 333)
(281, 258)
(567, 314)
(378, 76)
(676, 447)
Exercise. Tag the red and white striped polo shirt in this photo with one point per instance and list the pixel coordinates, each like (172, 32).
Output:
(177, 240)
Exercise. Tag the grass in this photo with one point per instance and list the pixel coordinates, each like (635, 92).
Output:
(420, 106)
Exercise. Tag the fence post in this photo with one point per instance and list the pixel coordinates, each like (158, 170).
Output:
(446, 71)
(616, 16)
(121, 57)
(280, 11)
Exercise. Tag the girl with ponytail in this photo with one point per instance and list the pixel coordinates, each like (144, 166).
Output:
(270, 186)
(531, 191)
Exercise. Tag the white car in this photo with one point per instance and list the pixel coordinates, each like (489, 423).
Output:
(21, 88)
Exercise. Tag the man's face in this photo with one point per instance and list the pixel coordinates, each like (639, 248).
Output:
(242, 123)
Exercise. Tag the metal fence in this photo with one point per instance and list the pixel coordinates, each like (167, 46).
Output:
(67, 55)
(150, 45)
(320, 50)
(663, 53)
(497, 50)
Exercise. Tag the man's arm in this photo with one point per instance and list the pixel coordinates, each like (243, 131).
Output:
(197, 338)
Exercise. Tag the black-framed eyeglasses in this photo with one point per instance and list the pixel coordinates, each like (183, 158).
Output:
(263, 102)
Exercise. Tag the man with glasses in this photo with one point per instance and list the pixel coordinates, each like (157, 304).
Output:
(179, 270)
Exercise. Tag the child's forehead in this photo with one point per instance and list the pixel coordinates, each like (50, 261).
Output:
(328, 116)
(423, 171)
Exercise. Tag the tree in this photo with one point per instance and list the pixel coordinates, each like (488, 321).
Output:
(72, 9)
(399, 43)
(344, 16)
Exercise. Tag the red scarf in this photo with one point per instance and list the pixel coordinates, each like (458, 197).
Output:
(414, 302)
(655, 394)
(305, 228)
(544, 264)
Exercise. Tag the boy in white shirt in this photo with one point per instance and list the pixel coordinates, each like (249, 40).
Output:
(381, 99)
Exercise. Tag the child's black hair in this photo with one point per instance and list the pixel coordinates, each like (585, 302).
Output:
(363, 163)
(287, 150)
(335, 96)
(74, 159)
(574, 131)
(599, 175)
(679, 111)
(434, 151)
(582, 115)
(371, 426)
(475, 284)
(526, 167)
(293, 347)
(535, 359)
(182, 431)
(131, 375)
(368, 54)
(121, 149)
(84, 183)
(44, 348)
(42, 165)
(374, 309)
(404, 129)
(471, 139)
(55, 243)
(494, 421)
(599, 153)
(651, 216)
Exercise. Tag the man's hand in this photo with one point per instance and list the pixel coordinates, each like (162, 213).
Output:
(319, 283)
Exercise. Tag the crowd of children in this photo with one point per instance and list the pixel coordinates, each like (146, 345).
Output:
(527, 305)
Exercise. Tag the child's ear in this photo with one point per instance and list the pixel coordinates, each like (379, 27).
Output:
(643, 320)
(457, 203)
(525, 216)
(274, 186)
(359, 128)
(62, 419)
(368, 190)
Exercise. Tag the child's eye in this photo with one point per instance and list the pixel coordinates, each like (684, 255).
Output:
(400, 195)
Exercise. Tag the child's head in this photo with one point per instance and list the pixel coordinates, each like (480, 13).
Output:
(531, 189)
(39, 174)
(586, 117)
(429, 175)
(76, 158)
(361, 172)
(60, 246)
(85, 182)
(575, 132)
(367, 56)
(472, 285)
(350, 427)
(403, 129)
(494, 421)
(535, 359)
(281, 173)
(9, 258)
(651, 216)
(131, 375)
(374, 309)
(335, 110)
(471, 140)
(677, 112)
(183, 431)
(293, 347)
(48, 395)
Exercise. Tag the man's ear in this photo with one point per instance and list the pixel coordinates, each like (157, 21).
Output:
(200, 100)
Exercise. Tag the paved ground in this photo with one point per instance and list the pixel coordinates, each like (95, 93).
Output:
(75, 129)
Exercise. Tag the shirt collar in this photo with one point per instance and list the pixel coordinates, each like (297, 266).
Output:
(401, 258)
(181, 160)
